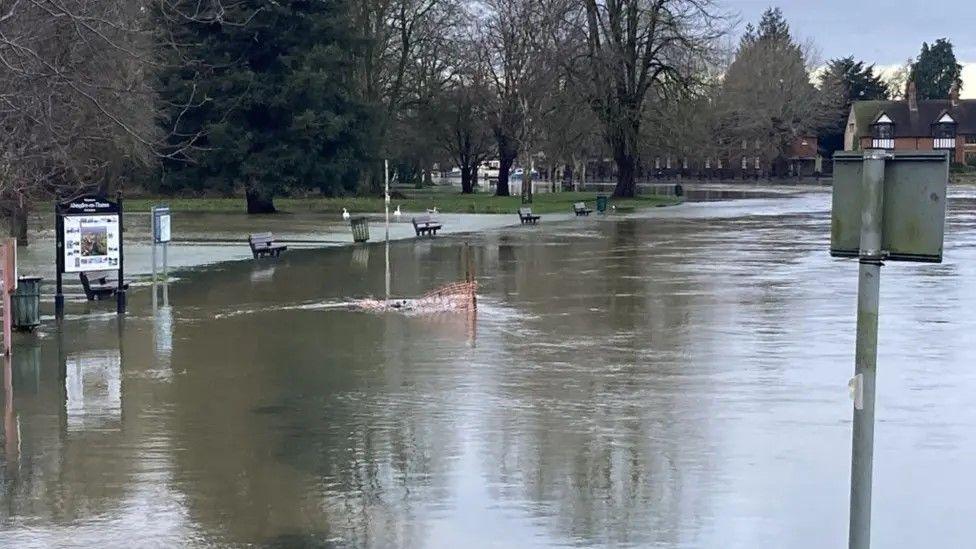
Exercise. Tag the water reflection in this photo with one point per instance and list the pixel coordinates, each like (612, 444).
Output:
(360, 257)
(11, 426)
(93, 385)
(673, 381)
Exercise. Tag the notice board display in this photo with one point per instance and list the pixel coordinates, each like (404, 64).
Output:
(90, 234)
(91, 243)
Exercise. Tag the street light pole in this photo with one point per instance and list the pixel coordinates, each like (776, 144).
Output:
(386, 209)
(866, 354)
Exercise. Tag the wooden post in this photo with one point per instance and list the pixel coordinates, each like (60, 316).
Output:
(8, 255)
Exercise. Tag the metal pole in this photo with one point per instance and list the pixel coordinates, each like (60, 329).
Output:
(165, 273)
(58, 260)
(866, 355)
(120, 290)
(152, 238)
(386, 201)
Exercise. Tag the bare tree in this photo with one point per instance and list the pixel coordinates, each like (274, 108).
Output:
(403, 57)
(509, 57)
(635, 49)
(461, 127)
(76, 101)
(463, 130)
(568, 130)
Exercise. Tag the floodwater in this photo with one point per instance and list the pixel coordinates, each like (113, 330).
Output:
(672, 378)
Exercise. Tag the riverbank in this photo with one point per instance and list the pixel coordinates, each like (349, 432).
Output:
(444, 199)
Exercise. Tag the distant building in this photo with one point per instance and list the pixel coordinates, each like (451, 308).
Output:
(915, 125)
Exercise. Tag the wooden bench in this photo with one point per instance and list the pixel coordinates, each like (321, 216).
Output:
(425, 225)
(525, 216)
(100, 284)
(263, 244)
(580, 209)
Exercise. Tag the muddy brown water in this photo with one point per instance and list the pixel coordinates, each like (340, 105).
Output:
(675, 378)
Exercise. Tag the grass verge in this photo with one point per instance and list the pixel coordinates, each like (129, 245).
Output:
(415, 201)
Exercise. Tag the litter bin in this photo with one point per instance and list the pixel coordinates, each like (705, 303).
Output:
(601, 203)
(26, 304)
(360, 229)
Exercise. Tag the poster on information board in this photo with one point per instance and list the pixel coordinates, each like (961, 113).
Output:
(91, 243)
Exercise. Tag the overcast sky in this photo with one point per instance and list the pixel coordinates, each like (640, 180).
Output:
(884, 32)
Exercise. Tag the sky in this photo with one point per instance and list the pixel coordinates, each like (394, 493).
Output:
(883, 32)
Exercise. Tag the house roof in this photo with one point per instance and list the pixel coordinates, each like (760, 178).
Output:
(918, 123)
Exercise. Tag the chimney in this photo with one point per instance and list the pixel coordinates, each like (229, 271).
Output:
(911, 94)
(954, 94)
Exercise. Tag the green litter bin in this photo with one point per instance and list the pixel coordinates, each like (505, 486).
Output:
(25, 304)
(601, 203)
(360, 229)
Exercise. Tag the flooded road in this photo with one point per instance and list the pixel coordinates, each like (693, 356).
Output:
(674, 378)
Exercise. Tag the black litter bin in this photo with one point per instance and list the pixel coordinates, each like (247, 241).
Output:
(26, 304)
(601, 203)
(360, 229)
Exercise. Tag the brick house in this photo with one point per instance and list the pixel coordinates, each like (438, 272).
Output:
(915, 125)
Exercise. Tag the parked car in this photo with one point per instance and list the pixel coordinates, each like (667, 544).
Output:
(518, 172)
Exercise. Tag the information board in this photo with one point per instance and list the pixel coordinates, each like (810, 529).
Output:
(161, 226)
(89, 238)
(91, 243)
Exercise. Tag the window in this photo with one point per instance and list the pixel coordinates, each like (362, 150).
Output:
(884, 131)
(883, 134)
(945, 130)
(944, 134)
(971, 139)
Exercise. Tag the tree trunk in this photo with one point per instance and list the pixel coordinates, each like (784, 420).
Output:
(626, 175)
(18, 222)
(505, 161)
(527, 168)
(467, 185)
(259, 201)
(581, 182)
(371, 182)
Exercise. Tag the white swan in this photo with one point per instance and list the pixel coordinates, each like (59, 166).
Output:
(432, 211)
(345, 214)
(397, 213)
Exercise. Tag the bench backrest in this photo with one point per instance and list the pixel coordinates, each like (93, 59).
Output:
(525, 211)
(580, 206)
(95, 276)
(261, 240)
(424, 219)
